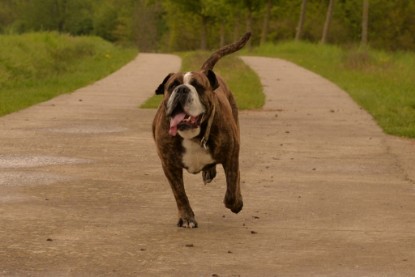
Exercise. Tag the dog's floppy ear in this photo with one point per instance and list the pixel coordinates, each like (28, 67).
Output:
(212, 79)
(160, 88)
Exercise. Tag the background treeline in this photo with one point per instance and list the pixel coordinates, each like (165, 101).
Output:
(170, 25)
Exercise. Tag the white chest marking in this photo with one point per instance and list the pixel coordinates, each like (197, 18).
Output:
(195, 157)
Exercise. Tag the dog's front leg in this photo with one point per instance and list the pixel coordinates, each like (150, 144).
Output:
(233, 197)
(186, 215)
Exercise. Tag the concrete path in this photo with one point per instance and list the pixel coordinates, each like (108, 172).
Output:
(326, 192)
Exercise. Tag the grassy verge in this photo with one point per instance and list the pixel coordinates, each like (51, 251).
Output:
(36, 67)
(243, 82)
(382, 83)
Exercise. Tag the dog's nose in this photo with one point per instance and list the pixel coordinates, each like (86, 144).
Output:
(182, 89)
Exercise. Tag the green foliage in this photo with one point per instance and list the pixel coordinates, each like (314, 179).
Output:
(182, 34)
(7, 14)
(381, 82)
(105, 21)
(110, 19)
(38, 66)
(52, 15)
(243, 82)
(182, 25)
(392, 24)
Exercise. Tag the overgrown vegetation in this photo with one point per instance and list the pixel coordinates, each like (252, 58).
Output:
(243, 82)
(381, 82)
(36, 67)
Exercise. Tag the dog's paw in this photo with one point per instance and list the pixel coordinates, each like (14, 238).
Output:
(234, 204)
(209, 174)
(187, 223)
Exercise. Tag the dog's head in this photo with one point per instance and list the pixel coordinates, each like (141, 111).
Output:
(188, 100)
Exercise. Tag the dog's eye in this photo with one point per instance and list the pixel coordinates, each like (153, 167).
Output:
(173, 85)
(197, 86)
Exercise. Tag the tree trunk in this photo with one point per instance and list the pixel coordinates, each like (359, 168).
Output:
(365, 22)
(327, 22)
(236, 26)
(265, 24)
(203, 33)
(249, 24)
(60, 14)
(222, 34)
(299, 31)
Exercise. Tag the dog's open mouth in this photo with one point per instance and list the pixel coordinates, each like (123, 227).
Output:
(183, 121)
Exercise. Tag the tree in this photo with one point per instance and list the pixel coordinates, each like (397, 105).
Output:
(265, 23)
(113, 20)
(327, 22)
(392, 24)
(105, 20)
(219, 12)
(224, 14)
(365, 22)
(300, 25)
(7, 14)
(53, 15)
(147, 25)
(249, 7)
(202, 24)
(199, 8)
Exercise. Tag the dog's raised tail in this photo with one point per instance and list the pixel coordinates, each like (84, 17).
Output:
(226, 50)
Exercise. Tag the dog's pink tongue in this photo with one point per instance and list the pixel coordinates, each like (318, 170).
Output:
(174, 121)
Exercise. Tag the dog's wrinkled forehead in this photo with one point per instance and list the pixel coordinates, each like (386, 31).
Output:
(195, 77)
(192, 79)
(197, 80)
(200, 81)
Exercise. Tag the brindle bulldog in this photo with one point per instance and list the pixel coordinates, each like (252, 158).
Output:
(196, 127)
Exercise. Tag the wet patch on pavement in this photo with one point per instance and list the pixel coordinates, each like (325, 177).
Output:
(29, 178)
(24, 161)
(87, 129)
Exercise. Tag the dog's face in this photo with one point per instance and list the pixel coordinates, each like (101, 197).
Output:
(187, 100)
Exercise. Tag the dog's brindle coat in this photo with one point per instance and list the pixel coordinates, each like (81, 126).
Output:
(196, 127)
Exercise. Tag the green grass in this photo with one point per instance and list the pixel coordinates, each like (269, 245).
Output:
(36, 67)
(383, 83)
(243, 82)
